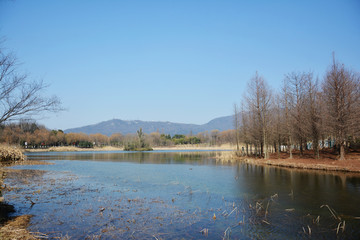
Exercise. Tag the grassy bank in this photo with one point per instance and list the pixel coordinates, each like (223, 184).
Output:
(11, 228)
(327, 162)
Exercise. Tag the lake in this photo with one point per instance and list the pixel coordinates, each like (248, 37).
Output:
(180, 195)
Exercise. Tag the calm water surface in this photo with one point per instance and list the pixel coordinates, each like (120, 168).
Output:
(177, 195)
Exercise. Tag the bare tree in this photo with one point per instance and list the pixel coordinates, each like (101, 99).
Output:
(215, 136)
(259, 101)
(286, 103)
(237, 126)
(245, 128)
(20, 97)
(313, 112)
(341, 93)
(296, 100)
(278, 132)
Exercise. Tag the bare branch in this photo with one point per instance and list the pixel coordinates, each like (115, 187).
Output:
(20, 97)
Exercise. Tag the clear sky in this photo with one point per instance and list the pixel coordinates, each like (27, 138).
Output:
(180, 61)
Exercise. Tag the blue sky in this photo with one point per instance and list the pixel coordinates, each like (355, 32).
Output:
(180, 61)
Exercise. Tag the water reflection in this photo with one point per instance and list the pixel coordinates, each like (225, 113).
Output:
(139, 195)
(154, 157)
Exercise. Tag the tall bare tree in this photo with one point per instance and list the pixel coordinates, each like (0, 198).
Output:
(245, 129)
(259, 100)
(278, 123)
(341, 93)
(296, 99)
(286, 105)
(237, 127)
(313, 109)
(19, 96)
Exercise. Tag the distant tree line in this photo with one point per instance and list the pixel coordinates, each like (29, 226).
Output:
(28, 134)
(306, 113)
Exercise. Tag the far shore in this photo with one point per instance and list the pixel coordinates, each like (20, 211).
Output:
(224, 147)
(327, 162)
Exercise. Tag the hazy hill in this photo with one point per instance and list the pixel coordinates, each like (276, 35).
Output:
(125, 127)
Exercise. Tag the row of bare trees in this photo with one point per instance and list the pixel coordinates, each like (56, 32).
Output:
(305, 114)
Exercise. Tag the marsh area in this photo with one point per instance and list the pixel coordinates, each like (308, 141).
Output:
(180, 195)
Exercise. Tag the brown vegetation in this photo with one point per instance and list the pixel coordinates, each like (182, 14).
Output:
(10, 154)
(16, 229)
(31, 136)
(328, 160)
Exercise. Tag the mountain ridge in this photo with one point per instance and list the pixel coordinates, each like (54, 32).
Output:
(131, 126)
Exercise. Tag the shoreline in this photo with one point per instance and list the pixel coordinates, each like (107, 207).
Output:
(225, 147)
(327, 162)
(350, 165)
(331, 166)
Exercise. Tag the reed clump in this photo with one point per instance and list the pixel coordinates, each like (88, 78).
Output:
(8, 153)
(227, 157)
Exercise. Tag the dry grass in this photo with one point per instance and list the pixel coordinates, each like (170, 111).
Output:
(73, 149)
(16, 229)
(8, 153)
(328, 161)
(197, 147)
(227, 157)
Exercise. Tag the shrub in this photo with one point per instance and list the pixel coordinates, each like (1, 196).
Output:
(85, 144)
(11, 154)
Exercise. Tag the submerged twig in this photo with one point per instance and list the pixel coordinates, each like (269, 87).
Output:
(232, 211)
(227, 233)
(291, 194)
(274, 196)
(317, 220)
(340, 225)
(332, 211)
(266, 211)
(266, 222)
(309, 231)
(205, 231)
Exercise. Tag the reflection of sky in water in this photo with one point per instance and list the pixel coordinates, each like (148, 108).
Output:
(143, 195)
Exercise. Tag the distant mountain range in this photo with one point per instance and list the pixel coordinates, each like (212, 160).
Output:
(125, 127)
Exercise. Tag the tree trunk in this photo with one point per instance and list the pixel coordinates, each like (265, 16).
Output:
(342, 151)
(279, 149)
(301, 147)
(290, 148)
(275, 148)
(316, 150)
